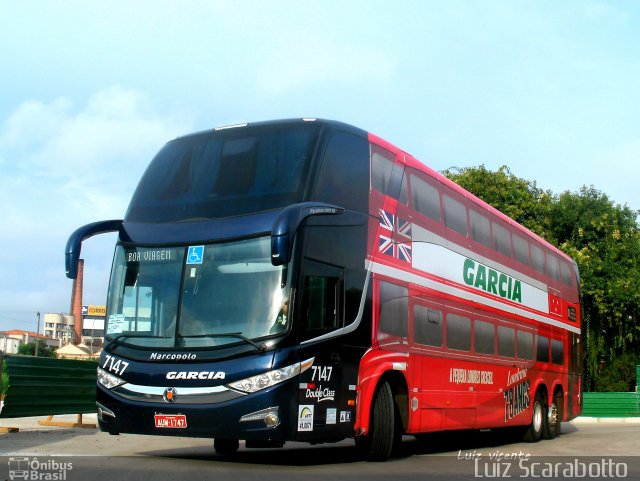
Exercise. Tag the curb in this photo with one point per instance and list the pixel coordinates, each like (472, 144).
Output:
(592, 420)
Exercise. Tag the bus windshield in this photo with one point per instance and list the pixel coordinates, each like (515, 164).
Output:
(197, 296)
(224, 173)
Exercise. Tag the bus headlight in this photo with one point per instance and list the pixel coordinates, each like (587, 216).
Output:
(108, 380)
(270, 378)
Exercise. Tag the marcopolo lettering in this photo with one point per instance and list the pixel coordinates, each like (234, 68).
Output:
(492, 281)
(186, 356)
(202, 375)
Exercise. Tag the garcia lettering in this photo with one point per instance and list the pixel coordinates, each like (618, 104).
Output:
(489, 280)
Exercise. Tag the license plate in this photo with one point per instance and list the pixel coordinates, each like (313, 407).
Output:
(175, 421)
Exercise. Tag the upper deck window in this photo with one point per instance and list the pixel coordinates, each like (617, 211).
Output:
(553, 268)
(425, 198)
(226, 173)
(455, 215)
(342, 177)
(567, 276)
(381, 168)
(480, 228)
(521, 247)
(537, 256)
(501, 239)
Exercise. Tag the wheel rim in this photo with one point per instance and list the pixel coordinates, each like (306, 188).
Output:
(553, 414)
(537, 417)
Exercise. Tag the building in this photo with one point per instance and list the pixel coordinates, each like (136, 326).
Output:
(59, 326)
(9, 345)
(12, 340)
(81, 351)
(93, 318)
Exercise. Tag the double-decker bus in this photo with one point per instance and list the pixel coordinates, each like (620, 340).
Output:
(304, 280)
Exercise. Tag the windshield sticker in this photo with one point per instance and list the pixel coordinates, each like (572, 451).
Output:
(115, 324)
(158, 255)
(195, 254)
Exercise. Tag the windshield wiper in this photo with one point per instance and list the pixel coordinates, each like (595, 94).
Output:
(238, 335)
(117, 338)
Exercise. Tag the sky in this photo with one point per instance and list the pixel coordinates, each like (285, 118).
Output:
(91, 90)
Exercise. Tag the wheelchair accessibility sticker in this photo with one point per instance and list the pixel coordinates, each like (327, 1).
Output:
(195, 254)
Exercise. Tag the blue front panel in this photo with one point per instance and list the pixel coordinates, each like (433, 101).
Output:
(218, 420)
(197, 395)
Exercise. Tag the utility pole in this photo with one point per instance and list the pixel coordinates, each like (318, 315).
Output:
(38, 333)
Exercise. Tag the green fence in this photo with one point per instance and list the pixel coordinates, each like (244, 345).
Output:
(40, 386)
(612, 404)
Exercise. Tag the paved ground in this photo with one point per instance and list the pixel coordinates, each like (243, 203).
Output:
(586, 443)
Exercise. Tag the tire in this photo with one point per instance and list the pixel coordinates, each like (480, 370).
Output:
(553, 419)
(538, 420)
(384, 432)
(226, 446)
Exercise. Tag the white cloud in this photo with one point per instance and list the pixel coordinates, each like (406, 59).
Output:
(62, 167)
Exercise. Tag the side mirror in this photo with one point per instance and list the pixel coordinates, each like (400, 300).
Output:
(74, 244)
(287, 223)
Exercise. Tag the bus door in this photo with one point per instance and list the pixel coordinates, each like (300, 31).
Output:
(430, 368)
(574, 404)
(324, 407)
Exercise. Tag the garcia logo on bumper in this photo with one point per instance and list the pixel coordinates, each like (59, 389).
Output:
(202, 375)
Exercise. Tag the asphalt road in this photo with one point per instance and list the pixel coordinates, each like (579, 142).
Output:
(584, 450)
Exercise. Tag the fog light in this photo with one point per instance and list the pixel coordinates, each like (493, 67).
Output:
(104, 413)
(269, 416)
(271, 420)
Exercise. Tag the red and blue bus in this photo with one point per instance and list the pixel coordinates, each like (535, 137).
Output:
(304, 280)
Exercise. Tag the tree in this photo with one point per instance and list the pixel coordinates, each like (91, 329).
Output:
(29, 349)
(604, 240)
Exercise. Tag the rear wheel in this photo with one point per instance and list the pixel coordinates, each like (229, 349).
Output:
(534, 432)
(384, 431)
(226, 446)
(553, 420)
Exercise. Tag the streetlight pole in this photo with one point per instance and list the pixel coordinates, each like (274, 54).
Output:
(38, 334)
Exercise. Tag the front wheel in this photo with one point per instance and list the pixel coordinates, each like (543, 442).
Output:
(226, 446)
(534, 432)
(384, 431)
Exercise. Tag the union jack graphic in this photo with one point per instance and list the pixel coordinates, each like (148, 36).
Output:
(404, 228)
(404, 252)
(390, 225)
(387, 220)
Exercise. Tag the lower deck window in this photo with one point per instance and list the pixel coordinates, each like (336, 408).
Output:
(525, 345)
(543, 349)
(506, 341)
(394, 309)
(557, 352)
(458, 332)
(484, 337)
(427, 326)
